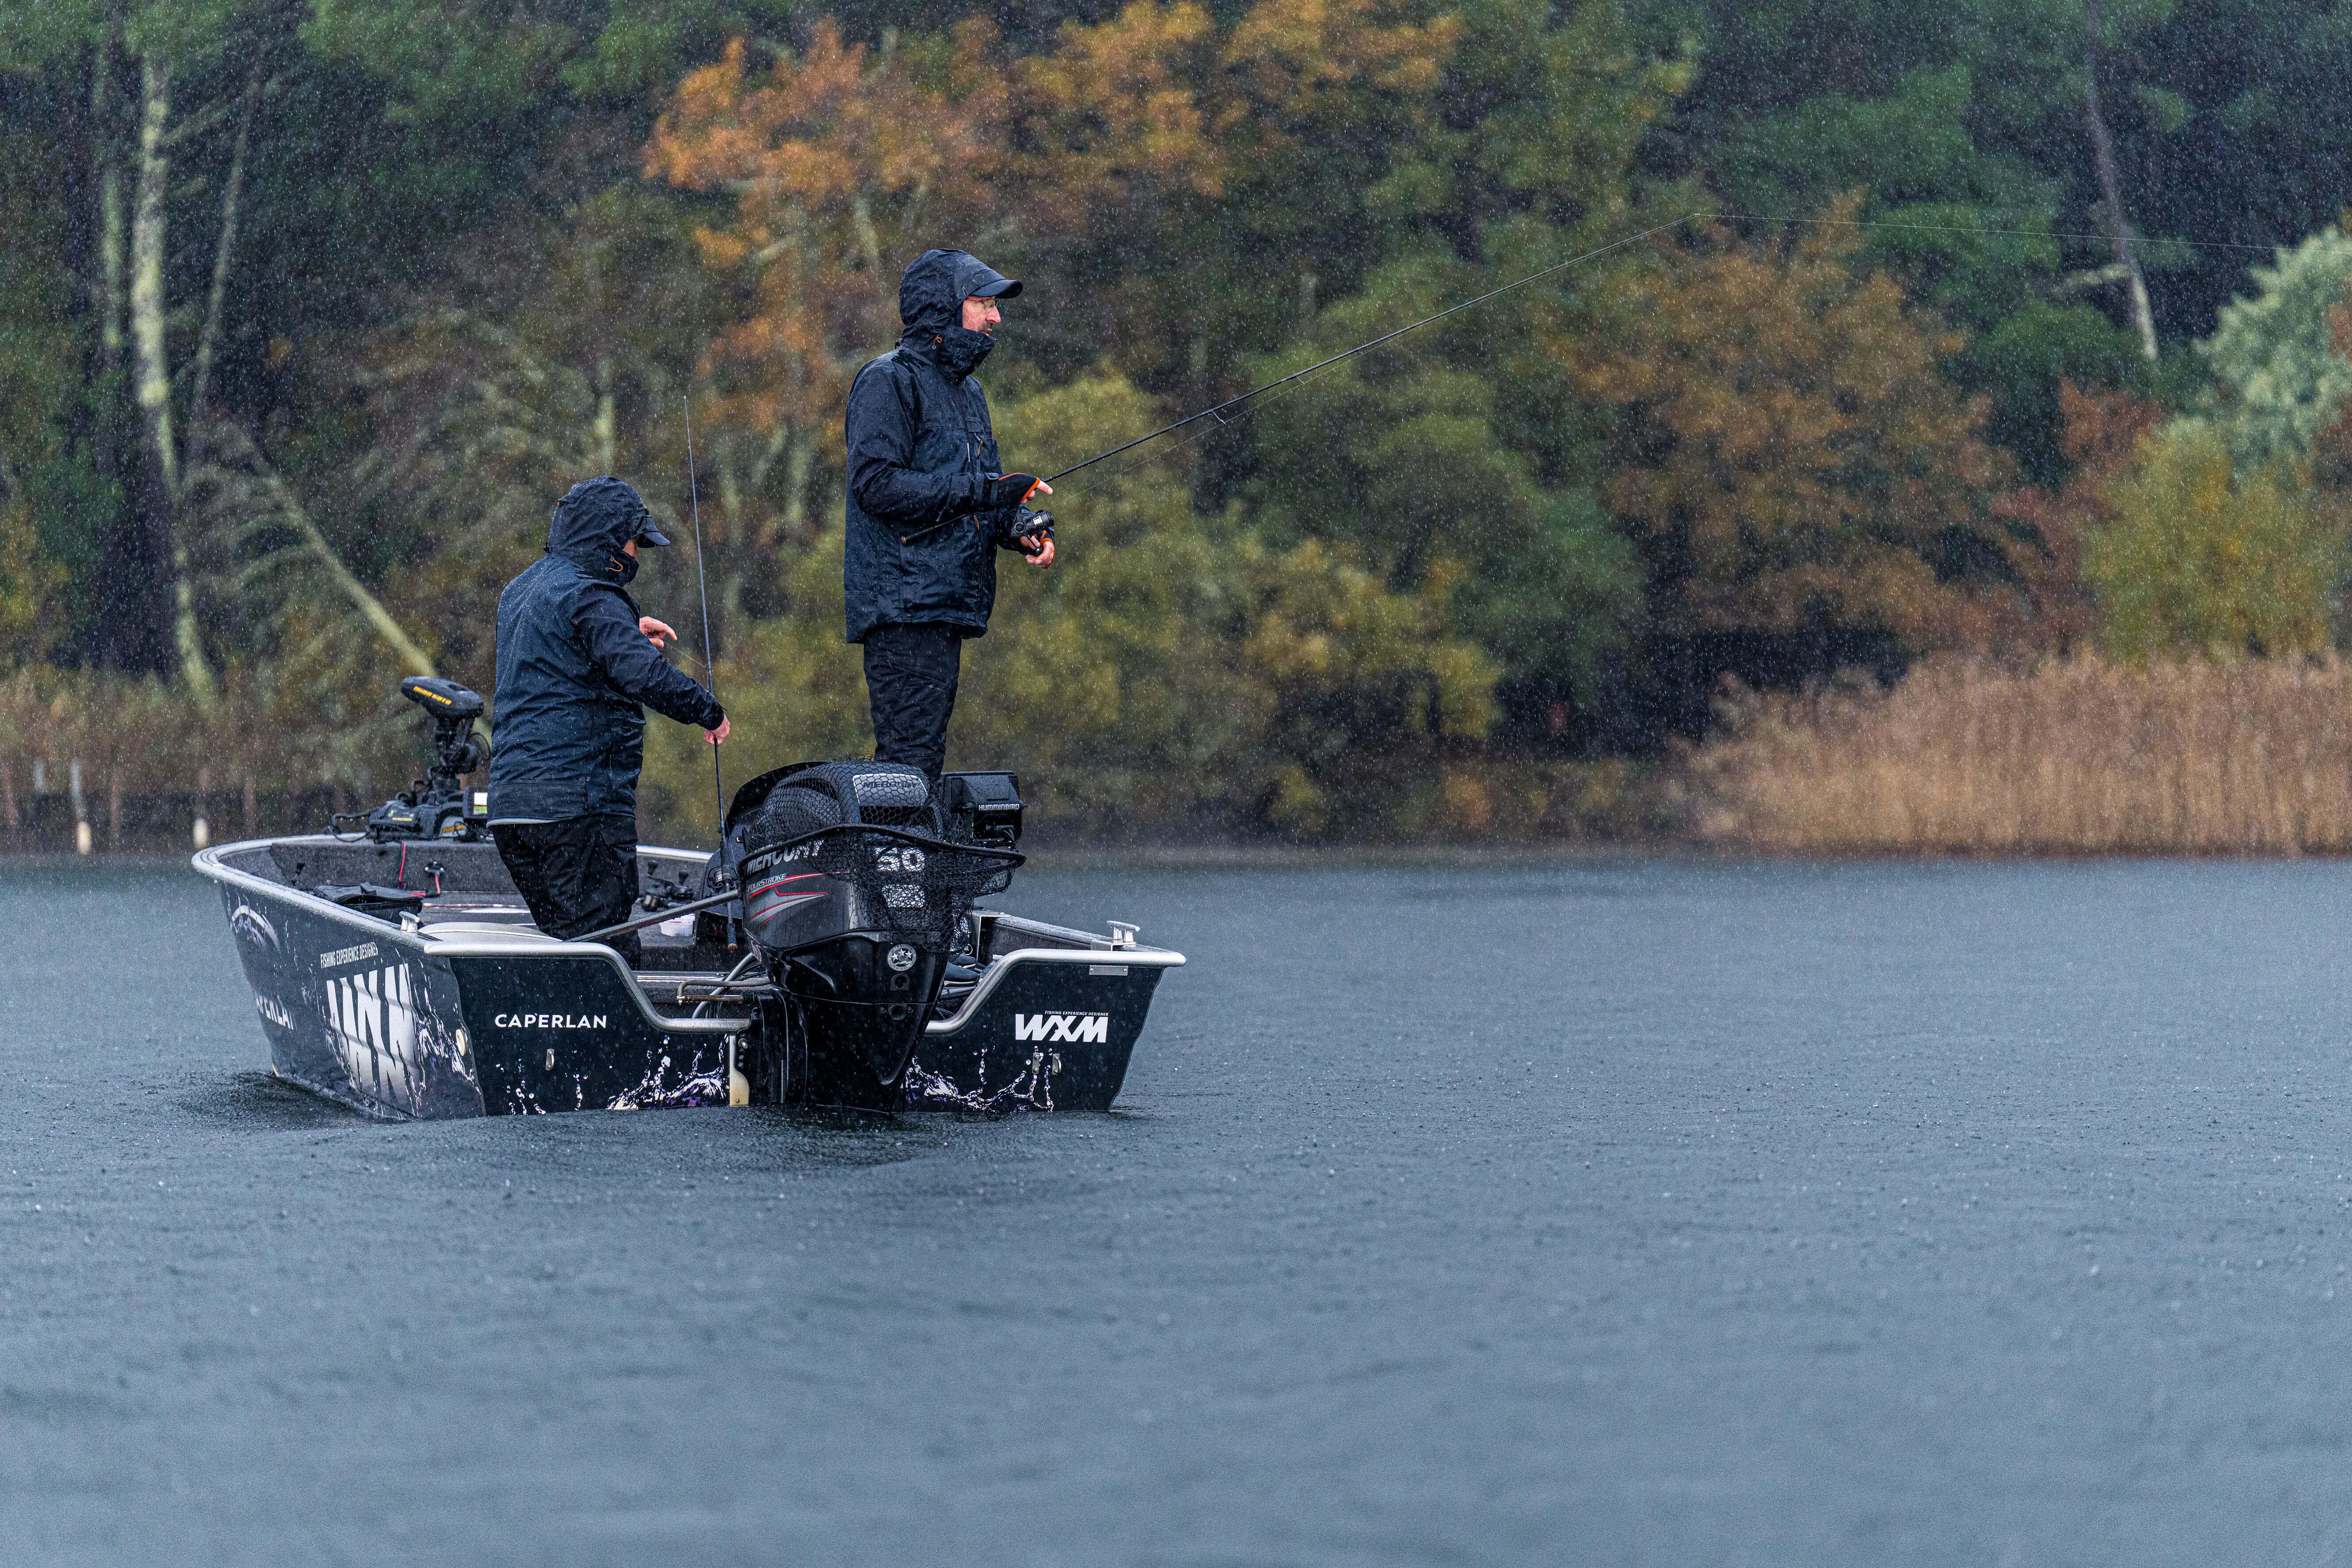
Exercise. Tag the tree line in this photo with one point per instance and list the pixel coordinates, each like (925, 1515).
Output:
(1967, 329)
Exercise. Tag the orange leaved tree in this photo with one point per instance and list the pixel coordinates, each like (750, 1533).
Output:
(1113, 158)
(1787, 452)
(837, 162)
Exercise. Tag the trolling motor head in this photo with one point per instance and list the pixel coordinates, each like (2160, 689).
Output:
(456, 748)
(439, 806)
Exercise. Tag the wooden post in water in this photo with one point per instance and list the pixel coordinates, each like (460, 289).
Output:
(252, 810)
(200, 833)
(81, 806)
(8, 797)
(113, 809)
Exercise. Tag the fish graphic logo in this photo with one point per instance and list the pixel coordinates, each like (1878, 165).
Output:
(251, 925)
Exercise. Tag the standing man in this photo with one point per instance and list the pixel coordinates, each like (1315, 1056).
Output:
(575, 659)
(928, 507)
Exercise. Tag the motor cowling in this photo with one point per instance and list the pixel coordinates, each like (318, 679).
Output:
(856, 881)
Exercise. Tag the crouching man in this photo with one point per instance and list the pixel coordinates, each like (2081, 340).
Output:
(575, 660)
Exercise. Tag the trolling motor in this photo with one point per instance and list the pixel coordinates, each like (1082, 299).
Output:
(437, 805)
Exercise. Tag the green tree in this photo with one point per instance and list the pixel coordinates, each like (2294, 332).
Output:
(1170, 664)
(2193, 556)
(2280, 376)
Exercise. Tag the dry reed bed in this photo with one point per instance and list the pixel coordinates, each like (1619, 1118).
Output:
(2073, 757)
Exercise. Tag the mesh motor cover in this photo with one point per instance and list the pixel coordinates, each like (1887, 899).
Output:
(871, 881)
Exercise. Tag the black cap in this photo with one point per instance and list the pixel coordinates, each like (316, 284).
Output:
(975, 279)
(601, 514)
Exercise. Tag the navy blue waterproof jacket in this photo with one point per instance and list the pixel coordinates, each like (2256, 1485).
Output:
(921, 452)
(572, 668)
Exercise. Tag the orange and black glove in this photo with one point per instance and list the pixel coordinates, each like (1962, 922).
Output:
(1007, 492)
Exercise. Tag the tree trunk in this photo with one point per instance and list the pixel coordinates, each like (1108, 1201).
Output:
(2103, 155)
(606, 423)
(237, 447)
(153, 377)
(154, 382)
(111, 230)
(209, 339)
(800, 460)
(133, 609)
(869, 244)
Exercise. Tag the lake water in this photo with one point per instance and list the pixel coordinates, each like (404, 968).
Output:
(1582, 1213)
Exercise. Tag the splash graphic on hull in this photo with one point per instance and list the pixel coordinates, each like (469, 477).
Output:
(1031, 1089)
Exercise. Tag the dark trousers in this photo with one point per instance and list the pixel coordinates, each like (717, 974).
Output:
(910, 684)
(578, 874)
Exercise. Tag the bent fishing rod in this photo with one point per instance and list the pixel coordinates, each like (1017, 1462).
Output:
(1219, 411)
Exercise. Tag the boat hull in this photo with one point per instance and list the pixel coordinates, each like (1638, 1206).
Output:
(398, 1022)
(370, 1016)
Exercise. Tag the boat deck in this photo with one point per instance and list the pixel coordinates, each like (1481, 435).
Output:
(469, 898)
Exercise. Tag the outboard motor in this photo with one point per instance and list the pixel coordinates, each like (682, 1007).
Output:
(857, 882)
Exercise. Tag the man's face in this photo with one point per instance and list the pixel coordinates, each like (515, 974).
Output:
(981, 315)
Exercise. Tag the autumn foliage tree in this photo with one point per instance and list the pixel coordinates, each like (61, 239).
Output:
(1787, 452)
(843, 162)
(2194, 556)
(836, 160)
(2054, 608)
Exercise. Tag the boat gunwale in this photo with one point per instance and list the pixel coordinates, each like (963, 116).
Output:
(1003, 965)
(207, 863)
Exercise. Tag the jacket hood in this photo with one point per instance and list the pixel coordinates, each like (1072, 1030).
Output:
(933, 290)
(593, 523)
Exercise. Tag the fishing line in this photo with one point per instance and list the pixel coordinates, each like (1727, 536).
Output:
(702, 584)
(1384, 337)
(1970, 228)
(1219, 411)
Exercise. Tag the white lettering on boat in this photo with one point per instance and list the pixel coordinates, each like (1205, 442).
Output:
(1078, 1029)
(271, 1008)
(372, 1023)
(347, 955)
(549, 1021)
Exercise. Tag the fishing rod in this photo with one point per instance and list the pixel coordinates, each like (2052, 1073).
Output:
(702, 585)
(1218, 412)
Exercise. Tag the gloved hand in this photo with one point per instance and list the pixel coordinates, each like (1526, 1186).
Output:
(1009, 490)
(1031, 531)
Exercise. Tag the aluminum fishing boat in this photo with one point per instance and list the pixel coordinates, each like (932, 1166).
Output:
(834, 950)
